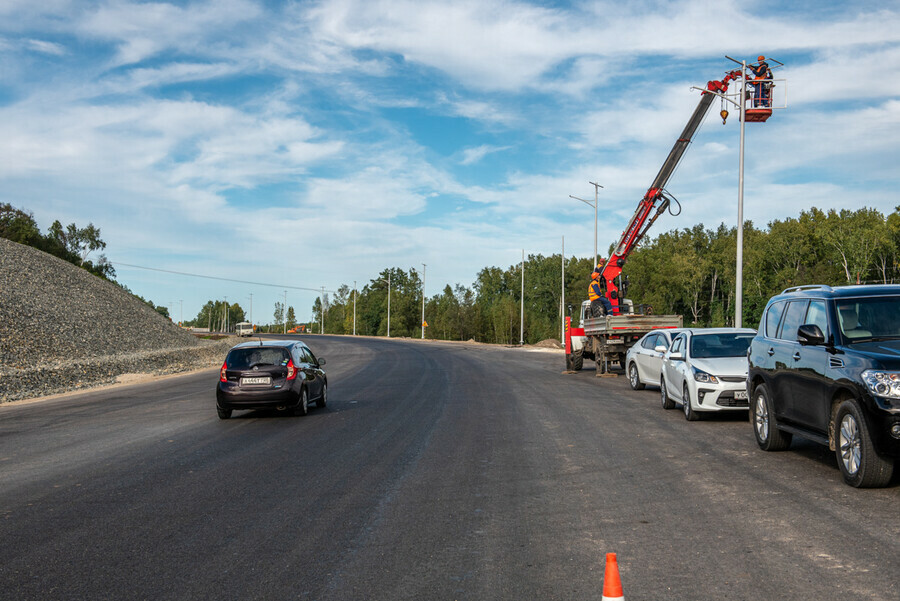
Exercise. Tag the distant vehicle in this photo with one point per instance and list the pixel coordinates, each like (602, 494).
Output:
(643, 362)
(275, 374)
(245, 328)
(825, 365)
(705, 370)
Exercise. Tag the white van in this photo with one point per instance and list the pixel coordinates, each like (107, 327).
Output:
(245, 328)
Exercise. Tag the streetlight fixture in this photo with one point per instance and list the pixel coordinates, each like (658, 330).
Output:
(423, 301)
(522, 305)
(739, 259)
(594, 204)
(389, 303)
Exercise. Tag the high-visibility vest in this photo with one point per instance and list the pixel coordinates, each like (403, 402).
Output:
(594, 291)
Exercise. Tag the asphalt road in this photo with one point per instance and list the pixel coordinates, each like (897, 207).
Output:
(438, 471)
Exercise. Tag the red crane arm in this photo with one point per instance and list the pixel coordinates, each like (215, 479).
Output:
(655, 201)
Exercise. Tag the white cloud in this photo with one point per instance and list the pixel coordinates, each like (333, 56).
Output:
(45, 47)
(473, 155)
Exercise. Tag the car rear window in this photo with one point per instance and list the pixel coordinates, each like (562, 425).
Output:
(707, 346)
(247, 358)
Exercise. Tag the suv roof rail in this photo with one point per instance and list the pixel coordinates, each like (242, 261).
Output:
(809, 287)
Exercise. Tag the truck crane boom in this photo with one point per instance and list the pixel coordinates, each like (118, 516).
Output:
(656, 200)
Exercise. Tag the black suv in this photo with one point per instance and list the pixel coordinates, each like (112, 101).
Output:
(825, 365)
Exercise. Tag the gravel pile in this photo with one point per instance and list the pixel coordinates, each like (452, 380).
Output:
(62, 328)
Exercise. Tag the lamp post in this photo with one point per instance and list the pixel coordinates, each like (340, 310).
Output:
(423, 301)
(594, 204)
(739, 263)
(522, 305)
(389, 304)
(354, 307)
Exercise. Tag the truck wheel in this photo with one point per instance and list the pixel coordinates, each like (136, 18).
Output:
(634, 377)
(667, 403)
(577, 360)
(762, 414)
(860, 465)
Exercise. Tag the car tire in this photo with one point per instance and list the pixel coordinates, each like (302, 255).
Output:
(667, 403)
(689, 413)
(223, 413)
(860, 465)
(302, 407)
(577, 360)
(634, 378)
(323, 400)
(765, 428)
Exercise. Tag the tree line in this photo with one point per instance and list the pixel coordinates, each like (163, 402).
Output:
(689, 272)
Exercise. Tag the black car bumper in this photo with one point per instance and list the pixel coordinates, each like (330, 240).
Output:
(232, 396)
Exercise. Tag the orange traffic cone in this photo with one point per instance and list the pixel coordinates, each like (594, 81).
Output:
(612, 586)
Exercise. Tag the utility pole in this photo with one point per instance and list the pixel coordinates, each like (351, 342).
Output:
(284, 321)
(522, 306)
(389, 306)
(251, 308)
(423, 301)
(739, 263)
(562, 296)
(322, 314)
(181, 319)
(354, 307)
(225, 329)
(594, 204)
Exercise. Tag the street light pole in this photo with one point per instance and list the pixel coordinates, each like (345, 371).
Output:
(739, 264)
(284, 327)
(322, 313)
(389, 306)
(594, 204)
(423, 301)
(522, 306)
(251, 308)
(562, 296)
(354, 307)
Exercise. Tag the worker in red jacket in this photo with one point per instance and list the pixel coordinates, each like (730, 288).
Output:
(761, 87)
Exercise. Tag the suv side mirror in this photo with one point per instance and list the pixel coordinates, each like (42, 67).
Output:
(321, 360)
(661, 348)
(809, 334)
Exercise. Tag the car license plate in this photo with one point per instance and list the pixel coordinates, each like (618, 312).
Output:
(261, 380)
(740, 395)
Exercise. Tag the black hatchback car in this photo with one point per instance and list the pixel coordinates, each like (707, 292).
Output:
(271, 374)
(825, 365)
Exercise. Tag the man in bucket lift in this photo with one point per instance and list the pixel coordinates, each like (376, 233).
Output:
(600, 305)
(761, 87)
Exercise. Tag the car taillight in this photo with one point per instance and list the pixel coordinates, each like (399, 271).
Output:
(292, 371)
(222, 377)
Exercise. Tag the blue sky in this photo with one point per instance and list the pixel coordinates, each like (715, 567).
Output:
(312, 144)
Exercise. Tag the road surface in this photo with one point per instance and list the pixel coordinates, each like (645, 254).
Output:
(437, 471)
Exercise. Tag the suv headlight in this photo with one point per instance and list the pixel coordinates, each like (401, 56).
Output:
(702, 376)
(882, 383)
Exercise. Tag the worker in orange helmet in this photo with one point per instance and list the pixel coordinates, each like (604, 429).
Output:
(600, 305)
(762, 82)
